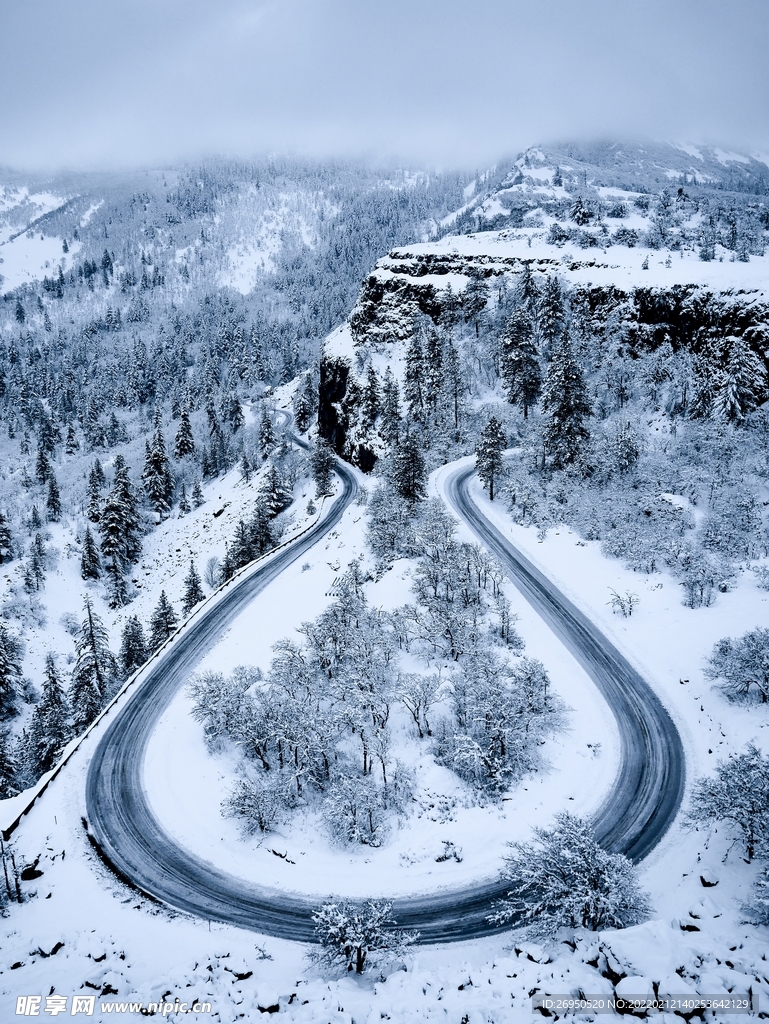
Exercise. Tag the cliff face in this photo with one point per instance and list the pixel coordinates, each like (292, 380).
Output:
(655, 297)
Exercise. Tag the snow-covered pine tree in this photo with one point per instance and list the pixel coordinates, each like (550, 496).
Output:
(245, 468)
(162, 623)
(71, 443)
(741, 386)
(390, 409)
(551, 314)
(156, 475)
(565, 401)
(184, 505)
(305, 403)
(371, 398)
(197, 494)
(475, 297)
(49, 728)
(519, 362)
(408, 469)
(260, 529)
(42, 465)
(90, 563)
(6, 541)
(53, 499)
(11, 654)
(8, 766)
(94, 674)
(273, 490)
(193, 590)
(413, 380)
(566, 880)
(489, 461)
(184, 442)
(322, 461)
(133, 646)
(266, 435)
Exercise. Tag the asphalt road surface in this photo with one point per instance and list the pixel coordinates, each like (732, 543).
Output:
(635, 816)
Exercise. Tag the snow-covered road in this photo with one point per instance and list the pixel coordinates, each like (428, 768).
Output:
(640, 807)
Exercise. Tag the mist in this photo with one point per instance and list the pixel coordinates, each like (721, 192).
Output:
(94, 85)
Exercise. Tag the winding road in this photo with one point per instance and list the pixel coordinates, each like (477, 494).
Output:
(640, 807)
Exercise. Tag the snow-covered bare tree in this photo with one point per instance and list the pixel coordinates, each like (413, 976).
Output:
(357, 936)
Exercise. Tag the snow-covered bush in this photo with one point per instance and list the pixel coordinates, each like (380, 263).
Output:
(743, 665)
(354, 811)
(258, 803)
(357, 936)
(738, 795)
(565, 879)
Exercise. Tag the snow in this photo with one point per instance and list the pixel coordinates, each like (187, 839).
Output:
(25, 259)
(725, 157)
(689, 149)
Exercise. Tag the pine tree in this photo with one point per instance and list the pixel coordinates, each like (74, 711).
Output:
(390, 415)
(475, 298)
(273, 491)
(408, 471)
(90, 563)
(119, 529)
(11, 653)
(454, 385)
(53, 500)
(184, 505)
(489, 454)
(245, 468)
(71, 444)
(163, 622)
(260, 529)
(305, 403)
(94, 673)
(95, 484)
(184, 442)
(6, 542)
(133, 647)
(322, 461)
(8, 766)
(193, 590)
(49, 728)
(197, 494)
(266, 437)
(156, 476)
(565, 401)
(42, 465)
(551, 314)
(432, 372)
(519, 363)
(413, 392)
(370, 407)
(741, 386)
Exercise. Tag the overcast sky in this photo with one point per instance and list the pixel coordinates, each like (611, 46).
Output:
(87, 83)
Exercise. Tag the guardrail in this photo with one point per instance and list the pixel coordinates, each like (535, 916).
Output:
(74, 745)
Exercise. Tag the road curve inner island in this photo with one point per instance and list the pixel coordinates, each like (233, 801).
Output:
(635, 816)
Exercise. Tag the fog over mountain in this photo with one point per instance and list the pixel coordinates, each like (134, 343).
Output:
(88, 84)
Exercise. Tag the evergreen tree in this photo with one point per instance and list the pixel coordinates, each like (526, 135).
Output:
(90, 563)
(71, 444)
(519, 363)
(370, 407)
(11, 653)
(53, 500)
(245, 468)
(93, 504)
(741, 386)
(551, 314)
(93, 676)
(162, 623)
(42, 465)
(184, 443)
(119, 529)
(390, 414)
(453, 384)
(184, 505)
(8, 766)
(156, 476)
(197, 494)
(49, 728)
(6, 542)
(322, 461)
(413, 391)
(408, 471)
(266, 437)
(489, 454)
(475, 298)
(305, 403)
(565, 401)
(260, 529)
(273, 491)
(193, 590)
(133, 647)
